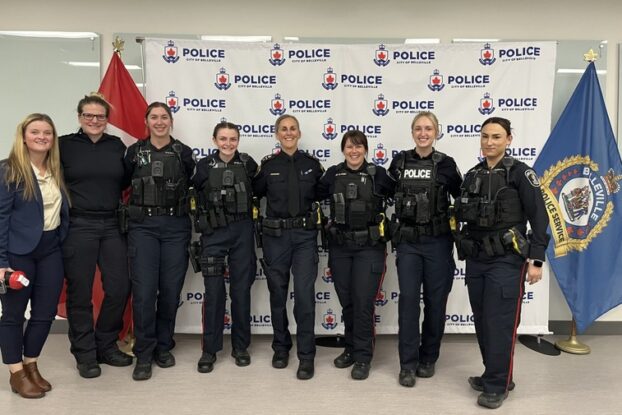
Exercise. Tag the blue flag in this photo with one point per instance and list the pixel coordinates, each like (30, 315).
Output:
(580, 172)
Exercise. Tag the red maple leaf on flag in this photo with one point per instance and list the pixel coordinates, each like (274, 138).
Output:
(487, 54)
(222, 79)
(170, 52)
(276, 55)
(277, 105)
(330, 79)
(436, 80)
(380, 105)
(330, 129)
(382, 56)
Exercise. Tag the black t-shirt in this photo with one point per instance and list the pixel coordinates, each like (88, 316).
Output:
(93, 171)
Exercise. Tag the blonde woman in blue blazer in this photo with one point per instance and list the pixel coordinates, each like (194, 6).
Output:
(34, 216)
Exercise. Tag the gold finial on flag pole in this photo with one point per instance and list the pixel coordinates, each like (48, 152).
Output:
(572, 345)
(118, 45)
(590, 56)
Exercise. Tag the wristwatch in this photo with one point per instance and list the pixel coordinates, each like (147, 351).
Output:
(536, 263)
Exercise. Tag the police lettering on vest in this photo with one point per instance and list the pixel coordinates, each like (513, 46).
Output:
(419, 198)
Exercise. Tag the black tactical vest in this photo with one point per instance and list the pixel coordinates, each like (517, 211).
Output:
(487, 202)
(159, 179)
(227, 190)
(353, 203)
(419, 198)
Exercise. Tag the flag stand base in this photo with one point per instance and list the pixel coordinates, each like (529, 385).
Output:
(127, 344)
(330, 341)
(572, 345)
(538, 344)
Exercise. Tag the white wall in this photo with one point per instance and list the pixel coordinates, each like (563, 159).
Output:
(444, 19)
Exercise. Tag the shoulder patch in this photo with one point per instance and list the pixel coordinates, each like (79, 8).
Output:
(532, 177)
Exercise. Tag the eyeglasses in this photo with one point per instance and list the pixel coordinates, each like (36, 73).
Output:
(89, 117)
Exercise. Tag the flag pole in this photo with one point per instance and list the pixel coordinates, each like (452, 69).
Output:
(572, 345)
(129, 340)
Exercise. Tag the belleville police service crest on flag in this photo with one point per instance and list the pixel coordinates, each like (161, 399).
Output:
(578, 200)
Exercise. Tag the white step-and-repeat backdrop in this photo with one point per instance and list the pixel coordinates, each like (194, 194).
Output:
(377, 89)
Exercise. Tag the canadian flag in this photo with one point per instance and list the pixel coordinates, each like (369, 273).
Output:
(127, 121)
(127, 117)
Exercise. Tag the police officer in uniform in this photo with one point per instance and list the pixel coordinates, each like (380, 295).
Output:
(420, 232)
(223, 182)
(93, 168)
(357, 245)
(158, 238)
(498, 197)
(289, 180)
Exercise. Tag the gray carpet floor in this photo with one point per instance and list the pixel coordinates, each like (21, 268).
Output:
(566, 384)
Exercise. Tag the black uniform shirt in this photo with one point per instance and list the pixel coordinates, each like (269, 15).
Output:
(205, 164)
(93, 172)
(447, 173)
(525, 180)
(272, 182)
(187, 157)
(384, 185)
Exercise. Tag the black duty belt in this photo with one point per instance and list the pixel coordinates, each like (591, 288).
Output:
(93, 214)
(163, 211)
(289, 223)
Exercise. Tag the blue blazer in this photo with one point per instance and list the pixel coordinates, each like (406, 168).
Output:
(21, 221)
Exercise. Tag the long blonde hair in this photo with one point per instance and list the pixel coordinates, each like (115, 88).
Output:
(19, 170)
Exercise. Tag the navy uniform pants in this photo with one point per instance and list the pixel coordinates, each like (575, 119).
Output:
(158, 252)
(295, 249)
(357, 273)
(236, 243)
(91, 242)
(429, 263)
(496, 287)
(44, 268)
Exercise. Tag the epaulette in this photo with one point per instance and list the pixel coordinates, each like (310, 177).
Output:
(311, 156)
(438, 156)
(268, 158)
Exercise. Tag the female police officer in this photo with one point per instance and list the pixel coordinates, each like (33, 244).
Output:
(357, 245)
(288, 180)
(498, 196)
(420, 229)
(224, 218)
(159, 233)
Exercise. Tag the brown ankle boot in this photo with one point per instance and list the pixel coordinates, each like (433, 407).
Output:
(21, 383)
(33, 373)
